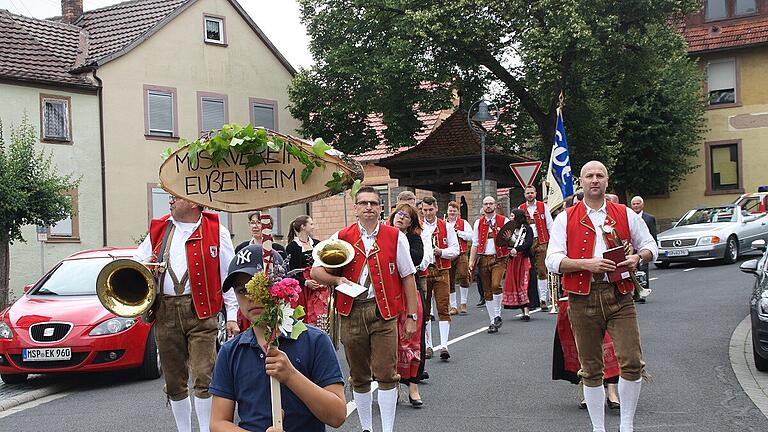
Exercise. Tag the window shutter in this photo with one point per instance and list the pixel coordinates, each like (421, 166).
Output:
(264, 116)
(56, 121)
(212, 113)
(721, 75)
(160, 113)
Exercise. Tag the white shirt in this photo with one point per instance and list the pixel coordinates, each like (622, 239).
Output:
(548, 217)
(178, 260)
(403, 262)
(558, 250)
(490, 245)
(465, 234)
(452, 251)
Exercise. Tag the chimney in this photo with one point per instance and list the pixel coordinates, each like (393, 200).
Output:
(71, 10)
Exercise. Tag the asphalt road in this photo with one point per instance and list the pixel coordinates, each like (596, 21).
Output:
(502, 382)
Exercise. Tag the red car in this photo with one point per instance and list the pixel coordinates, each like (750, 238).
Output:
(59, 325)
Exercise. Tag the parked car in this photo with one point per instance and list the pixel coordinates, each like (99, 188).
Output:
(59, 325)
(758, 305)
(709, 233)
(756, 202)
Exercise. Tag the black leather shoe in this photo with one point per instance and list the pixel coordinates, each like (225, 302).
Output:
(480, 303)
(444, 354)
(612, 405)
(498, 322)
(582, 405)
(525, 317)
(492, 329)
(416, 403)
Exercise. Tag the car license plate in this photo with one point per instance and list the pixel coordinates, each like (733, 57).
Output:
(677, 252)
(46, 354)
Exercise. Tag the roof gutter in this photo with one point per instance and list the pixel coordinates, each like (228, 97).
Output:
(103, 160)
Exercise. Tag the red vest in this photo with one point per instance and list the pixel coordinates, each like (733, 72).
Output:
(382, 266)
(482, 235)
(539, 218)
(202, 262)
(580, 243)
(460, 226)
(440, 240)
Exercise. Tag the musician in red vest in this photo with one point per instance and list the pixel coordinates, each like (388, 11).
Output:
(368, 322)
(440, 246)
(540, 220)
(196, 250)
(579, 236)
(459, 267)
(490, 258)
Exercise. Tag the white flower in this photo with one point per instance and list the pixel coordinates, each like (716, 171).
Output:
(287, 321)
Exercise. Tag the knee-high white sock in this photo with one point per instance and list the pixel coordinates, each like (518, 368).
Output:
(595, 399)
(387, 407)
(464, 295)
(543, 290)
(428, 334)
(490, 307)
(182, 413)
(203, 411)
(452, 299)
(629, 393)
(497, 304)
(364, 402)
(445, 328)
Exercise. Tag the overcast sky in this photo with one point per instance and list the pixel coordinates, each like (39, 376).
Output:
(278, 19)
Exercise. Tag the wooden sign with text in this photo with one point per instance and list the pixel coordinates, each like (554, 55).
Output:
(232, 187)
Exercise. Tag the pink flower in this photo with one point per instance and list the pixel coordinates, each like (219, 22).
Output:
(287, 289)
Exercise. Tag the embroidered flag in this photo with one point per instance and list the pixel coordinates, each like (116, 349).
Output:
(559, 175)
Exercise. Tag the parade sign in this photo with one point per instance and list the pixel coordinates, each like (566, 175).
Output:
(291, 172)
(526, 172)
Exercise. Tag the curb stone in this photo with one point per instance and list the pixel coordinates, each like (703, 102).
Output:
(754, 382)
(32, 395)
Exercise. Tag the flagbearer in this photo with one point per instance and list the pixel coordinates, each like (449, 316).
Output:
(540, 220)
(459, 270)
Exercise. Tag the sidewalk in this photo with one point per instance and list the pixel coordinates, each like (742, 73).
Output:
(754, 382)
(36, 387)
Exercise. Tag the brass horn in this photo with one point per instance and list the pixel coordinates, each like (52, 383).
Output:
(126, 288)
(333, 254)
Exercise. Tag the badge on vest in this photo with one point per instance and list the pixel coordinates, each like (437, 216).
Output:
(214, 250)
(391, 268)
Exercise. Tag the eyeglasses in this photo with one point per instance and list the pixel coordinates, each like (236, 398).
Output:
(367, 203)
(252, 223)
(403, 215)
(171, 199)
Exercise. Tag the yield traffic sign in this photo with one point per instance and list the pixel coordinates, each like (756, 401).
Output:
(525, 172)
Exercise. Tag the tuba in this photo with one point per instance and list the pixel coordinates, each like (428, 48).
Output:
(126, 288)
(332, 254)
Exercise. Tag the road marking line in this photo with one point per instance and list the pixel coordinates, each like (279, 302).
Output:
(32, 404)
(689, 269)
(652, 279)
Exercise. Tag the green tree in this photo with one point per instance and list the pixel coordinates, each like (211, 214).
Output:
(31, 193)
(614, 60)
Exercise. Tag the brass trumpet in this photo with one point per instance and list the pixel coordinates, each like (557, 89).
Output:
(126, 287)
(332, 254)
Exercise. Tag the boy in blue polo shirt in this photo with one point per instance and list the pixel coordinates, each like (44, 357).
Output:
(307, 368)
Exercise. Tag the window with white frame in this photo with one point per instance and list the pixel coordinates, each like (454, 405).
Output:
(55, 118)
(721, 81)
(263, 114)
(159, 207)
(69, 227)
(214, 29)
(160, 109)
(213, 112)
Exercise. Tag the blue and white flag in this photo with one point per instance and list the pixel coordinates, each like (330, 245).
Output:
(559, 175)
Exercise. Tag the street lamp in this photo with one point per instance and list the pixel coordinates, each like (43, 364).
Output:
(482, 115)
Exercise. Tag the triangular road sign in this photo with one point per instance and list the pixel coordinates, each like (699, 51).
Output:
(525, 172)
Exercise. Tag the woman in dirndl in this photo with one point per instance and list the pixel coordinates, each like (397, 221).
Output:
(313, 296)
(515, 294)
(410, 352)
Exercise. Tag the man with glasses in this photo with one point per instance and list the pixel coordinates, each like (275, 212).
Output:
(368, 322)
(196, 250)
(490, 258)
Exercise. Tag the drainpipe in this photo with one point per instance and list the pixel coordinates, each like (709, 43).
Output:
(103, 163)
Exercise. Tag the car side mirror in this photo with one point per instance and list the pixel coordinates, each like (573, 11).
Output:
(28, 287)
(759, 245)
(749, 267)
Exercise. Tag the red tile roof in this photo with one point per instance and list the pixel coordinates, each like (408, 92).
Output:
(383, 149)
(41, 51)
(722, 35)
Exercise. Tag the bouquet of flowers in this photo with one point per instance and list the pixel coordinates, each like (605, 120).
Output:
(276, 293)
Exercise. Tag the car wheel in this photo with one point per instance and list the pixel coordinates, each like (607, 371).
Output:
(760, 363)
(731, 250)
(14, 378)
(150, 367)
(221, 329)
(661, 264)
